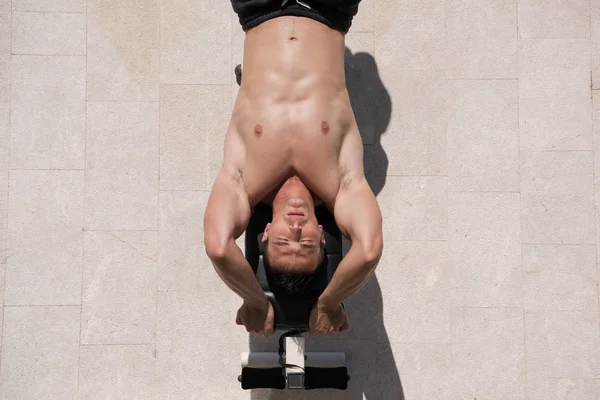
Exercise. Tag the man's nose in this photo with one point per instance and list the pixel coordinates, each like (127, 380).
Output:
(296, 228)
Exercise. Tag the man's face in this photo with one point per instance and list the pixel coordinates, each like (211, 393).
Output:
(294, 237)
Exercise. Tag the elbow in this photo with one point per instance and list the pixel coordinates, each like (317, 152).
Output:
(373, 251)
(216, 249)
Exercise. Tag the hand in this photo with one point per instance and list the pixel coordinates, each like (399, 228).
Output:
(327, 320)
(257, 318)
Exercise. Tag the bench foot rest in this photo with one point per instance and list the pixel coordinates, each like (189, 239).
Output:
(314, 378)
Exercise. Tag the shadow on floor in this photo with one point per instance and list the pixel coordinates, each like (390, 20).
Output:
(373, 372)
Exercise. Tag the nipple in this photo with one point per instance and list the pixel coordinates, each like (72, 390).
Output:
(325, 127)
(258, 130)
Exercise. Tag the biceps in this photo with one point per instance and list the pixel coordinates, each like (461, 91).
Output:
(227, 213)
(359, 217)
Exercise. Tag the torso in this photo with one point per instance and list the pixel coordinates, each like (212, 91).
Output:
(293, 114)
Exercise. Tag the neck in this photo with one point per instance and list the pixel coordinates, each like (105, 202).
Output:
(292, 188)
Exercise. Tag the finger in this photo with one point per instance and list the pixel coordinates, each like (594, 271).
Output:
(345, 326)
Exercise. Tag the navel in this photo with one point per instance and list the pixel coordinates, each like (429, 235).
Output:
(257, 130)
(325, 127)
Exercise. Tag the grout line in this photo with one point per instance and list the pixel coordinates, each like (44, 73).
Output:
(48, 169)
(183, 190)
(195, 84)
(154, 351)
(40, 305)
(85, 134)
(595, 150)
(49, 12)
(48, 55)
(558, 244)
(482, 79)
(121, 230)
(6, 220)
(121, 102)
(523, 312)
(483, 191)
(555, 38)
(117, 344)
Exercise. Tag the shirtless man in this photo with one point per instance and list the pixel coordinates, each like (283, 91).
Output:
(293, 142)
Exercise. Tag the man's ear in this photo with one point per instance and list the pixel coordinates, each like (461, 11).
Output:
(266, 232)
(322, 234)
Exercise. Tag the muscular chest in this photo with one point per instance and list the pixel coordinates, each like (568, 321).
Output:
(305, 141)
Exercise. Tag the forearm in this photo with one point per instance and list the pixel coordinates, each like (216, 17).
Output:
(235, 271)
(353, 272)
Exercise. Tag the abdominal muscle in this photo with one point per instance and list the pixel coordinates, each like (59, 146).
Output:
(293, 112)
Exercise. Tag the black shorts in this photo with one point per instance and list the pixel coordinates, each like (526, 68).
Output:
(336, 14)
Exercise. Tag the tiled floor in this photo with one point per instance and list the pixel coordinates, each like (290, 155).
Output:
(481, 125)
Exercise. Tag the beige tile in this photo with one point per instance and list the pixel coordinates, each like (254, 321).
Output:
(416, 322)
(596, 134)
(48, 112)
(481, 58)
(5, 35)
(387, 12)
(123, 50)
(193, 32)
(414, 208)
(483, 137)
(563, 389)
(194, 333)
(595, 43)
(557, 218)
(596, 66)
(557, 197)
(488, 354)
(40, 350)
(364, 21)
(194, 120)
(49, 5)
(485, 248)
(183, 264)
(117, 372)
(557, 172)
(562, 344)
(361, 81)
(4, 152)
(5, 5)
(45, 202)
(44, 269)
(122, 166)
(2, 291)
(411, 45)
(49, 33)
(416, 290)
(554, 18)
(559, 277)
(481, 19)
(554, 94)
(414, 371)
(411, 122)
(119, 288)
